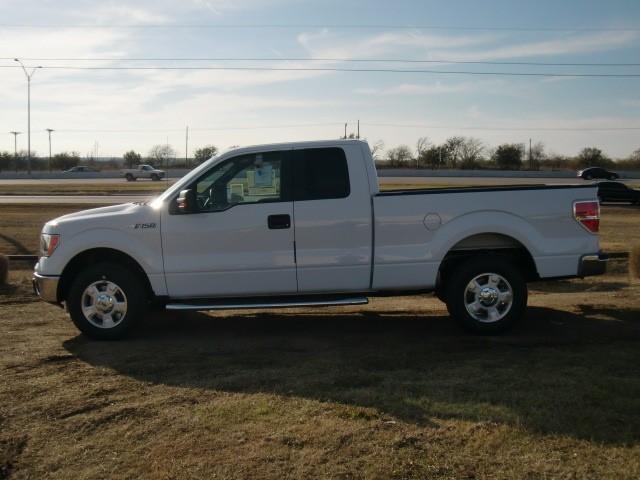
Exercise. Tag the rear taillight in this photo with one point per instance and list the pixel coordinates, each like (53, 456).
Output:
(587, 214)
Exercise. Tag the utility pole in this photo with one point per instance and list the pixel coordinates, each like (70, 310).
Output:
(358, 137)
(186, 149)
(15, 147)
(29, 76)
(49, 130)
(530, 157)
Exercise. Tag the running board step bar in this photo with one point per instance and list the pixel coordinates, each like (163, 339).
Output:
(233, 304)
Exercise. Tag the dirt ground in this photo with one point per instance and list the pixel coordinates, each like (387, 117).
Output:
(389, 390)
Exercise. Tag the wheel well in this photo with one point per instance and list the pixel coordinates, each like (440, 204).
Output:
(517, 255)
(100, 255)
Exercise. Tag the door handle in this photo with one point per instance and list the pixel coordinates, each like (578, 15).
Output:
(279, 222)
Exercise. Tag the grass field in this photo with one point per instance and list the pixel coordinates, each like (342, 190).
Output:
(83, 188)
(391, 390)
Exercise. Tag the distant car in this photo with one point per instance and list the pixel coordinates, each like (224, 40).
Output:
(142, 171)
(597, 172)
(617, 192)
(81, 169)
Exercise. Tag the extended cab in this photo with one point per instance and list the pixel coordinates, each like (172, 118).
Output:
(142, 171)
(305, 224)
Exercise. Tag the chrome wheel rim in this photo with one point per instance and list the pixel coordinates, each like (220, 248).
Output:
(104, 304)
(488, 297)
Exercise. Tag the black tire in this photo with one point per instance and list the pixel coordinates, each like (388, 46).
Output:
(587, 177)
(129, 177)
(155, 177)
(613, 177)
(106, 301)
(487, 295)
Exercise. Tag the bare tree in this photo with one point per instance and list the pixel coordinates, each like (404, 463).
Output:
(472, 150)
(422, 146)
(160, 154)
(453, 146)
(377, 149)
(400, 156)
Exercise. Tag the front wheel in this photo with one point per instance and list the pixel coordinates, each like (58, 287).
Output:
(487, 295)
(106, 301)
(155, 177)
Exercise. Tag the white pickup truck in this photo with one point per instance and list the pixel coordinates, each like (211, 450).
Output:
(305, 224)
(143, 171)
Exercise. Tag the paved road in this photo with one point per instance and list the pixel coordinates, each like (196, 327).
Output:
(114, 199)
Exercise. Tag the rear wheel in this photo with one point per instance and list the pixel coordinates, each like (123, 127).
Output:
(487, 295)
(155, 177)
(129, 177)
(106, 301)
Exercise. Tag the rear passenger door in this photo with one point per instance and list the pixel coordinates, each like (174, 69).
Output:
(333, 225)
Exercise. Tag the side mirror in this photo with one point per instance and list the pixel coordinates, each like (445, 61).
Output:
(186, 201)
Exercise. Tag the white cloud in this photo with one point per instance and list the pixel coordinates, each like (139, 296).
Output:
(565, 45)
(327, 44)
(474, 111)
(437, 88)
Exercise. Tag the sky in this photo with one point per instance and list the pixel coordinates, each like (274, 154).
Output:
(123, 75)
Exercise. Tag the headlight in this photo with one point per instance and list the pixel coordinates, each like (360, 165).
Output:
(48, 244)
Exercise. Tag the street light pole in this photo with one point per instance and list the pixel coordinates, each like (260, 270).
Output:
(15, 147)
(49, 130)
(29, 75)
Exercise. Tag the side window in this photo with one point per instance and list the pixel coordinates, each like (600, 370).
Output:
(241, 180)
(321, 173)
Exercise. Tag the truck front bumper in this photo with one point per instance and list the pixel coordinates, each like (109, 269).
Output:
(591, 265)
(46, 287)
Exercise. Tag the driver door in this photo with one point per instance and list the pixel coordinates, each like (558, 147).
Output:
(239, 238)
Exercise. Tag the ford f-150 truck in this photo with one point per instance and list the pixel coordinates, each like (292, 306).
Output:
(143, 171)
(305, 224)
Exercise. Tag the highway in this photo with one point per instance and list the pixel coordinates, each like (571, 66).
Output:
(126, 198)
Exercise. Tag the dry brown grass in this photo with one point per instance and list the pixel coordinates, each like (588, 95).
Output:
(84, 188)
(634, 260)
(21, 224)
(391, 390)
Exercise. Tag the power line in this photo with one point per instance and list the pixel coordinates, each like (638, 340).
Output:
(362, 124)
(344, 60)
(506, 129)
(319, 26)
(350, 70)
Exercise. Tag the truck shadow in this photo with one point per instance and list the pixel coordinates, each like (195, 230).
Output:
(556, 373)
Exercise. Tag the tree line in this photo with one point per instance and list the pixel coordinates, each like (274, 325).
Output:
(470, 153)
(456, 153)
(161, 156)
